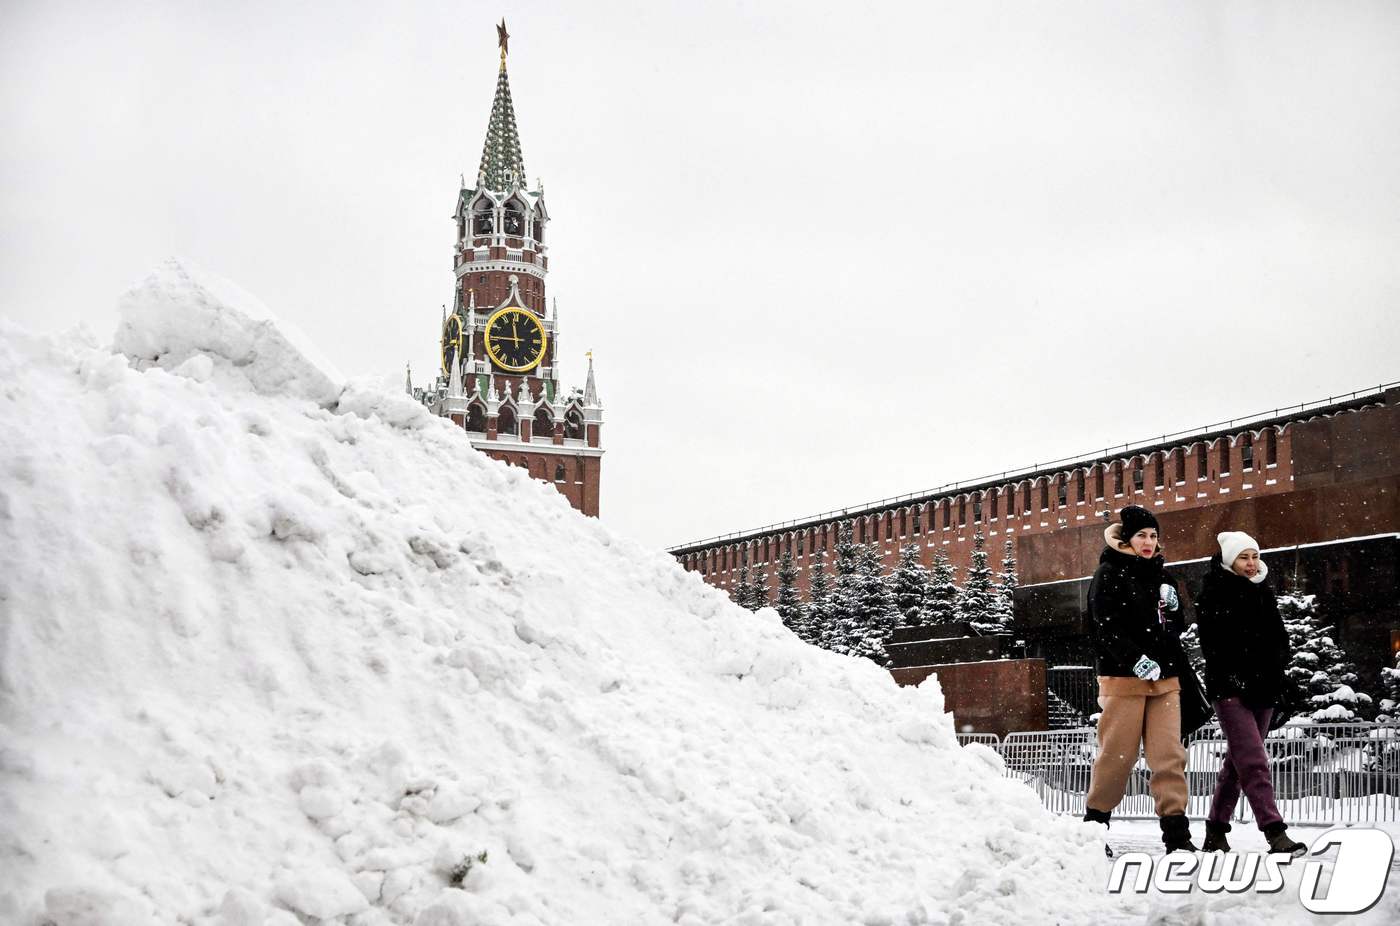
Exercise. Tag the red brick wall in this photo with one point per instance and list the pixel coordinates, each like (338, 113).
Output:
(1360, 449)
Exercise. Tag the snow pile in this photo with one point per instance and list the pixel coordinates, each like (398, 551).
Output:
(278, 650)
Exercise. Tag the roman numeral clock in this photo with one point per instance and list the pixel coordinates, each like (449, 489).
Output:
(499, 347)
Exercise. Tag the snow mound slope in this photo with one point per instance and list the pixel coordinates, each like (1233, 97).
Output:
(274, 650)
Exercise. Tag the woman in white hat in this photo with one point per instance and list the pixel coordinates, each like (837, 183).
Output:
(1246, 650)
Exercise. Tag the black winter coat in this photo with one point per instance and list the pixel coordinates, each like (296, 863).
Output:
(1123, 615)
(1242, 638)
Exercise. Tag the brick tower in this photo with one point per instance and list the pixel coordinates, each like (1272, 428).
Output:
(499, 346)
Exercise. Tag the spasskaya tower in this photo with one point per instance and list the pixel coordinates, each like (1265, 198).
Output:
(499, 346)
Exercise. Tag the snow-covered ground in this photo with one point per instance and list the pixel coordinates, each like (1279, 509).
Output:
(276, 648)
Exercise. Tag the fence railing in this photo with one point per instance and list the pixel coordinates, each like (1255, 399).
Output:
(1322, 773)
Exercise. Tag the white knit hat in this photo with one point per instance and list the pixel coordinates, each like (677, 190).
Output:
(1232, 544)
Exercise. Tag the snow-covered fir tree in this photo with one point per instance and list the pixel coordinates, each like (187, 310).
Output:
(977, 602)
(942, 607)
(1005, 589)
(1390, 691)
(817, 616)
(1191, 644)
(789, 605)
(836, 634)
(1323, 674)
(909, 583)
(762, 596)
(743, 591)
(866, 611)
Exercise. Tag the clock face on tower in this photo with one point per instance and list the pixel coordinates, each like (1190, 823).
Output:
(451, 344)
(515, 340)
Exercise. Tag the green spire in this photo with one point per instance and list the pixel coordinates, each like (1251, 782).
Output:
(502, 166)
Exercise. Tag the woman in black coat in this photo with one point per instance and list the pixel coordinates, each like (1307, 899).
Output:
(1246, 651)
(1135, 618)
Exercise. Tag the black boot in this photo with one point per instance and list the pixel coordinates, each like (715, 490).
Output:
(1099, 816)
(1215, 837)
(1279, 841)
(1176, 833)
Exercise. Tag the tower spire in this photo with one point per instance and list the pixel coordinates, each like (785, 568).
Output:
(502, 166)
(590, 389)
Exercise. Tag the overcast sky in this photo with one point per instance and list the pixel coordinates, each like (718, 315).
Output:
(822, 255)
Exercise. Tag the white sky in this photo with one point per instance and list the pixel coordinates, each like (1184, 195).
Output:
(822, 254)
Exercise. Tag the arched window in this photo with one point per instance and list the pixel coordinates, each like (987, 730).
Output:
(947, 513)
(544, 424)
(1270, 447)
(1247, 452)
(1061, 492)
(977, 508)
(573, 424)
(559, 473)
(1079, 486)
(1098, 481)
(476, 418)
(539, 229)
(1044, 493)
(1224, 457)
(505, 421)
(514, 219)
(483, 221)
(1137, 474)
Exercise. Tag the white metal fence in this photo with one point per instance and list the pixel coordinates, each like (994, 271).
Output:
(1322, 773)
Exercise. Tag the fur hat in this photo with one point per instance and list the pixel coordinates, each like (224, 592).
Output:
(1232, 544)
(1135, 518)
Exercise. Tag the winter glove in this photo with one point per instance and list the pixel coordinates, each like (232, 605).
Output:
(1170, 601)
(1147, 668)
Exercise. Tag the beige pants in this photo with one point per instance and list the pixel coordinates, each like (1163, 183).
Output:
(1127, 722)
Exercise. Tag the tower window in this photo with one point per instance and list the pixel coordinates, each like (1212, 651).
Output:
(505, 421)
(1247, 453)
(1224, 457)
(1098, 482)
(1061, 492)
(483, 222)
(1160, 462)
(992, 497)
(1117, 478)
(1044, 495)
(1200, 450)
(1180, 464)
(514, 219)
(1079, 487)
(977, 508)
(1270, 447)
(1137, 476)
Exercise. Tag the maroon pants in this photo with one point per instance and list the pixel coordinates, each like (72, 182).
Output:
(1245, 766)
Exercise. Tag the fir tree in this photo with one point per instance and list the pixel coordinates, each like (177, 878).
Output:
(909, 583)
(942, 607)
(817, 617)
(762, 597)
(789, 605)
(743, 592)
(1323, 674)
(836, 635)
(1191, 644)
(867, 609)
(1005, 601)
(977, 602)
(1390, 692)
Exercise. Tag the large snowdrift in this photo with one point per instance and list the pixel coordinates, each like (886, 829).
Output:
(276, 649)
